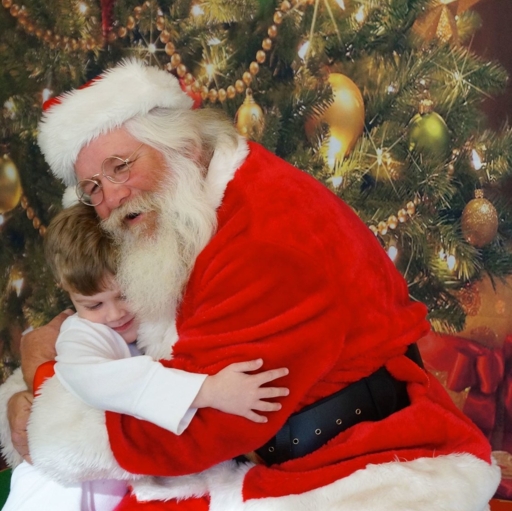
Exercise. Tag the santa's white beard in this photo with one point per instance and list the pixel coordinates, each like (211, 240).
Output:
(157, 256)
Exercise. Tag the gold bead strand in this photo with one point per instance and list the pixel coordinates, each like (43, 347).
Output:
(392, 222)
(31, 215)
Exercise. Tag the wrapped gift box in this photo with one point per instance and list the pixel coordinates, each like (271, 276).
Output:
(479, 380)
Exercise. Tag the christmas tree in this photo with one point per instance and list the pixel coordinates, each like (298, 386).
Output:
(378, 99)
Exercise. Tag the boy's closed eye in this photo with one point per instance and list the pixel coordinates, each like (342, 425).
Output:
(93, 307)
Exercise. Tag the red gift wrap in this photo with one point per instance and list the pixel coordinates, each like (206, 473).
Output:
(485, 375)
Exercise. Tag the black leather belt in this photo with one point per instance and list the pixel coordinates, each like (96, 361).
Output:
(372, 398)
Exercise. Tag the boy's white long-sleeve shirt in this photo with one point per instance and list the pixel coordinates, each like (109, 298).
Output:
(95, 364)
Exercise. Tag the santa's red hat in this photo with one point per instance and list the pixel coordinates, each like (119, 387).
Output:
(74, 119)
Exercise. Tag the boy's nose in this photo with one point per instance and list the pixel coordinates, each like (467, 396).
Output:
(115, 313)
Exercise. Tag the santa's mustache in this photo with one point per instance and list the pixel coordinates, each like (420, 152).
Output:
(145, 202)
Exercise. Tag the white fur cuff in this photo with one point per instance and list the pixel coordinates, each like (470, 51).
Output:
(68, 439)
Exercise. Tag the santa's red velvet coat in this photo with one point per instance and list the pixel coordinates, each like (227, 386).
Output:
(293, 276)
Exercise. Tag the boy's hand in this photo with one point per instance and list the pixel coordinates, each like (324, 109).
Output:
(233, 391)
(38, 346)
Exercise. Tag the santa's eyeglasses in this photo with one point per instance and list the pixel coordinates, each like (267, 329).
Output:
(115, 169)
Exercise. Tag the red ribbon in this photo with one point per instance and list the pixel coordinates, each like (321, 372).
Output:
(487, 374)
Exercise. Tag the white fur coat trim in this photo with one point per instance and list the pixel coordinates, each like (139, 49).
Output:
(156, 339)
(223, 166)
(68, 439)
(69, 442)
(11, 386)
(129, 89)
(445, 483)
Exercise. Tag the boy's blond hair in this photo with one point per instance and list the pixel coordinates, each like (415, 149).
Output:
(80, 254)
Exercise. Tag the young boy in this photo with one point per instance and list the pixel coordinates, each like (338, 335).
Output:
(94, 363)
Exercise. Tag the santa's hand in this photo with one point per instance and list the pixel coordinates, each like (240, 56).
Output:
(233, 391)
(38, 346)
(18, 412)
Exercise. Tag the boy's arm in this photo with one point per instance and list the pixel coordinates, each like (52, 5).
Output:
(94, 364)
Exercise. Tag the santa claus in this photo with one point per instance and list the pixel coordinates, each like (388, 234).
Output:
(232, 254)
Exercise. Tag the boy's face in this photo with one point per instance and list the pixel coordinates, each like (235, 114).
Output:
(108, 308)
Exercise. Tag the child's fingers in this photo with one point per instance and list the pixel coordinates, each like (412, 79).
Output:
(267, 406)
(272, 374)
(253, 416)
(270, 392)
(245, 367)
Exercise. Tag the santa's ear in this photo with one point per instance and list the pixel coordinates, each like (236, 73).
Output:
(70, 198)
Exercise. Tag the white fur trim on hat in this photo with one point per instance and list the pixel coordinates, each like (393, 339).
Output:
(69, 198)
(119, 94)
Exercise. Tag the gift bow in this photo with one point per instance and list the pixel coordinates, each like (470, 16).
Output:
(486, 373)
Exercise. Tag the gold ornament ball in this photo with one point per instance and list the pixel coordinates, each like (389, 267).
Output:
(249, 119)
(429, 134)
(345, 116)
(479, 222)
(10, 185)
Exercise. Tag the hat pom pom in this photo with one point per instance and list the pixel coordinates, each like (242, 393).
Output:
(70, 198)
